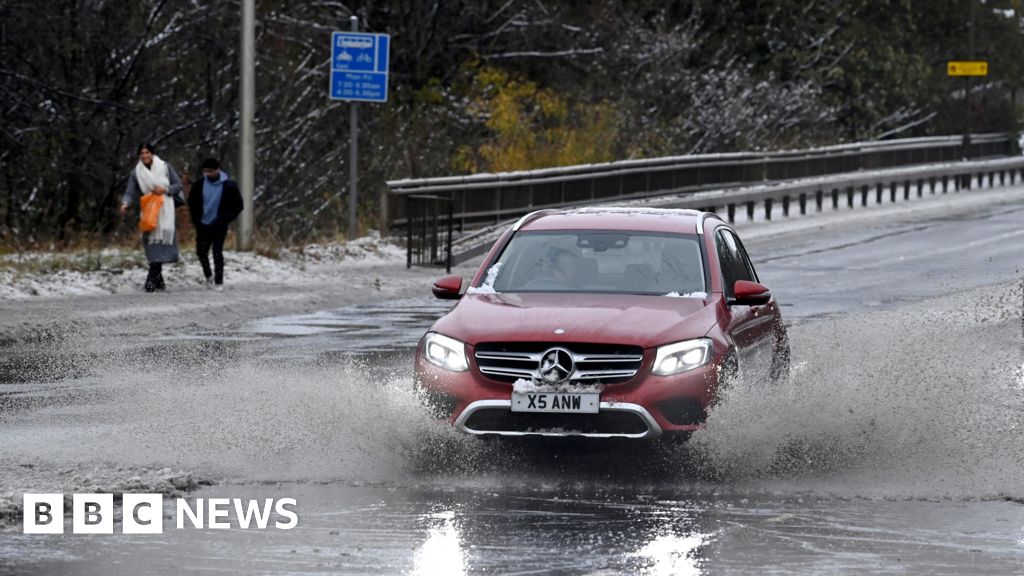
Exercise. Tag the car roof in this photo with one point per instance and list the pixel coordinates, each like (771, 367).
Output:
(615, 218)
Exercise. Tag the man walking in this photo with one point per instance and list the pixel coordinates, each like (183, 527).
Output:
(214, 202)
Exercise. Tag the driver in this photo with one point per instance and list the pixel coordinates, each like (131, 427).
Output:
(563, 266)
(559, 269)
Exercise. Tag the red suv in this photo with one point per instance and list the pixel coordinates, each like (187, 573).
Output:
(601, 322)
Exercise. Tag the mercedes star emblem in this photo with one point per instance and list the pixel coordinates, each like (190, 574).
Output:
(556, 365)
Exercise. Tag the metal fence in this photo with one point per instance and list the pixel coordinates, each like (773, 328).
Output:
(428, 215)
(480, 201)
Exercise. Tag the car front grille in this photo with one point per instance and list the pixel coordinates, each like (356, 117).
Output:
(592, 363)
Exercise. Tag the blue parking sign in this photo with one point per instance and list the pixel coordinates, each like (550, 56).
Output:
(359, 66)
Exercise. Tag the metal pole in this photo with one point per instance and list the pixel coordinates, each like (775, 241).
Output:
(353, 155)
(408, 232)
(448, 257)
(968, 128)
(246, 145)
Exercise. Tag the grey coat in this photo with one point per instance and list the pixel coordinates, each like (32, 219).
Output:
(157, 253)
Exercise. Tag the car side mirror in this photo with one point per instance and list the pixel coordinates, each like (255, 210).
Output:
(746, 293)
(448, 288)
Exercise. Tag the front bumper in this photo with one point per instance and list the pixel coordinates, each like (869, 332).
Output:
(506, 424)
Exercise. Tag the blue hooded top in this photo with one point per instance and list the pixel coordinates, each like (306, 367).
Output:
(212, 192)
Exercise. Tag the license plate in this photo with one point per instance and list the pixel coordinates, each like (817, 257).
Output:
(558, 402)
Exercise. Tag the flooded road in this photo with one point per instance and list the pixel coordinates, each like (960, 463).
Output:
(896, 446)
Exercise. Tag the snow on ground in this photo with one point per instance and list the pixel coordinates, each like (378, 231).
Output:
(93, 478)
(370, 249)
(54, 275)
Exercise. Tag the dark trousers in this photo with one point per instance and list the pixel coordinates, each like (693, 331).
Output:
(155, 278)
(208, 236)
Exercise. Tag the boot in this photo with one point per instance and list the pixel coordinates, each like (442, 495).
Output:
(155, 278)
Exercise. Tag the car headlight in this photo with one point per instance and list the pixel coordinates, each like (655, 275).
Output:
(682, 356)
(448, 353)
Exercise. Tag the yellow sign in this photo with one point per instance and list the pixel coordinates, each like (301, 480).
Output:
(967, 68)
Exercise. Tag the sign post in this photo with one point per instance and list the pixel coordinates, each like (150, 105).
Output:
(967, 69)
(247, 142)
(359, 73)
(968, 121)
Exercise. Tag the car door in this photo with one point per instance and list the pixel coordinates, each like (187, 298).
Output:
(749, 326)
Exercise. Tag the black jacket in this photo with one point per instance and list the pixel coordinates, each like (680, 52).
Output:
(230, 202)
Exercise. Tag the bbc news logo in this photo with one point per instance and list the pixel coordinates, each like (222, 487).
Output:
(144, 513)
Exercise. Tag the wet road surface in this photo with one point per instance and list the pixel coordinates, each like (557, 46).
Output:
(436, 531)
(877, 265)
(847, 471)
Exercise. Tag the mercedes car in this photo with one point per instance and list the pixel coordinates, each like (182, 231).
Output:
(603, 323)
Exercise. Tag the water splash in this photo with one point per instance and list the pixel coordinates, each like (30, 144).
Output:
(917, 402)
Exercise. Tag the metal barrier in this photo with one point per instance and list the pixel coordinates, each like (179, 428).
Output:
(807, 194)
(489, 198)
(423, 231)
(687, 179)
(854, 188)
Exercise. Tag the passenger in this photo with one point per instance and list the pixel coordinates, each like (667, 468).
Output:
(213, 202)
(676, 276)
(155, 180)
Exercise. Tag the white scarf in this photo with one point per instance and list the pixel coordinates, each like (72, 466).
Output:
(150, 178)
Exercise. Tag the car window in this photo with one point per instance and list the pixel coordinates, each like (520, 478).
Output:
(601, 262)
(746, 259)
(732, 260)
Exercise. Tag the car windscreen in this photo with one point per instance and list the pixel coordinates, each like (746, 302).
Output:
(600, 262)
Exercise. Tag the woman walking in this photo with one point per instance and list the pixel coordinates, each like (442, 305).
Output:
(153, 176)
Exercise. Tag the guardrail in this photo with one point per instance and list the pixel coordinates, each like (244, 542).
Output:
(809, 193)
(689, 180)
(893, 183)
(482, 198)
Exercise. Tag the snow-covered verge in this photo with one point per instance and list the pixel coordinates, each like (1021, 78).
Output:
(114, 270)
(370, 249)
(93, 479)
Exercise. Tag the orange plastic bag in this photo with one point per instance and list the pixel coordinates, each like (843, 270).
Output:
(151, 205)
